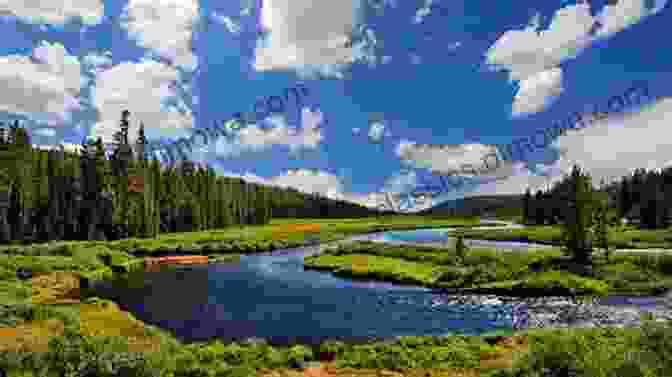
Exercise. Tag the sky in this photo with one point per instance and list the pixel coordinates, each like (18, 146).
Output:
(397, 90)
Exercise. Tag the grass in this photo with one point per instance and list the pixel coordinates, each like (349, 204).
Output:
(33, 308)
(621, 237)
(46, 324)
(643, 351)
(491, 271)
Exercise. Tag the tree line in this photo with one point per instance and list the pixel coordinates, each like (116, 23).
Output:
(92, 194)
(643, 196)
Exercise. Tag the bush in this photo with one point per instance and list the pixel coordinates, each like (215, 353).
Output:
(567, 281)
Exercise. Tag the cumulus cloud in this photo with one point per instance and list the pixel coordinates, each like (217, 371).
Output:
(44, 88)
(529, 52)
(607, 150)
(538, 91)
(54, 12)
(446, 159)
(164, 26)
(141, 88)
(310, 36)
(255, 138)
(516, 183)
(623, 14)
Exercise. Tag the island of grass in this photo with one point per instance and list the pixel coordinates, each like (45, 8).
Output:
(541, 272)
(621, 236)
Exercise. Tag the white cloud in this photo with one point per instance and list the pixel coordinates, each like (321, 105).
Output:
(606, 149)
(528, 52)
(254, 138)
(423, 12)
(141, 88)
(45, 88)
(46, 132)
(96, 63)
(311, 181)
(164, 26)
(538, 91)
(231, 25)
(624, 14)
(516, 183)
(445, 159)
(377, 131)
(54, 12)
(310, 36)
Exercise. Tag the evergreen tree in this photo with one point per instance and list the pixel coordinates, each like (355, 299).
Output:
(601, 230)
(527, 199)
(539, 212)
(576, 231)
(460, 247)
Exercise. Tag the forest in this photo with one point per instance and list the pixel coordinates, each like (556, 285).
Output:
(94, 194)
(643, 197)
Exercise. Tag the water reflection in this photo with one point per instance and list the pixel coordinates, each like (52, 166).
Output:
(272, 296)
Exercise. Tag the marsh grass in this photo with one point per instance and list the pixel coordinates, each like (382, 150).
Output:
(505, 272)
(620, 237)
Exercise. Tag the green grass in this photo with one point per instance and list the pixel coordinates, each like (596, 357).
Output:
(620, 237)
(501, 272)
(593, 352)
(644, 351)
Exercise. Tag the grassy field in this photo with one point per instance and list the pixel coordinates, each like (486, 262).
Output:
(500, 272)
(47, 323)
(621, 237)
(35, 309)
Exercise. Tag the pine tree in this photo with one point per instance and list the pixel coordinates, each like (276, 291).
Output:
(539, 212)
(576, 233)
(601, 230)
(527, 199)
(460, 247)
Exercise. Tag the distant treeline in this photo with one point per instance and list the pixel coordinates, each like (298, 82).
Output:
(643, 196)
(90, 195)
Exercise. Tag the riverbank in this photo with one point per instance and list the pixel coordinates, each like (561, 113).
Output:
(620, 237)
(544, 272)
(42, 285)
(49, 305)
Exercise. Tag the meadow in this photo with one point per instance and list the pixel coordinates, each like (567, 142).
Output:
(48, 323)
(540, 272)
(620, 236)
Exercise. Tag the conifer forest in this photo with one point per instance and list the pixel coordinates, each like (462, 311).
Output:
(94, 194)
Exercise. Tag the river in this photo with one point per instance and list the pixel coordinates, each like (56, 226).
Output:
(271, 296)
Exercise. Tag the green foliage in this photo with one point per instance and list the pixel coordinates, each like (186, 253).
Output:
(565, 280)
(460, 248)
(578, 221)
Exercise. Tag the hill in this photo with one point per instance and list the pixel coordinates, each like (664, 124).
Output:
(500, 206)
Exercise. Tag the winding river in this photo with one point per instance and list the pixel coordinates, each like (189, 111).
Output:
(271, 296)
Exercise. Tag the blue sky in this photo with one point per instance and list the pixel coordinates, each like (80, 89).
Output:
(422, 86)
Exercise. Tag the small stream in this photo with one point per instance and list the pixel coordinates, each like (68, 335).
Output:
(271, 296)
